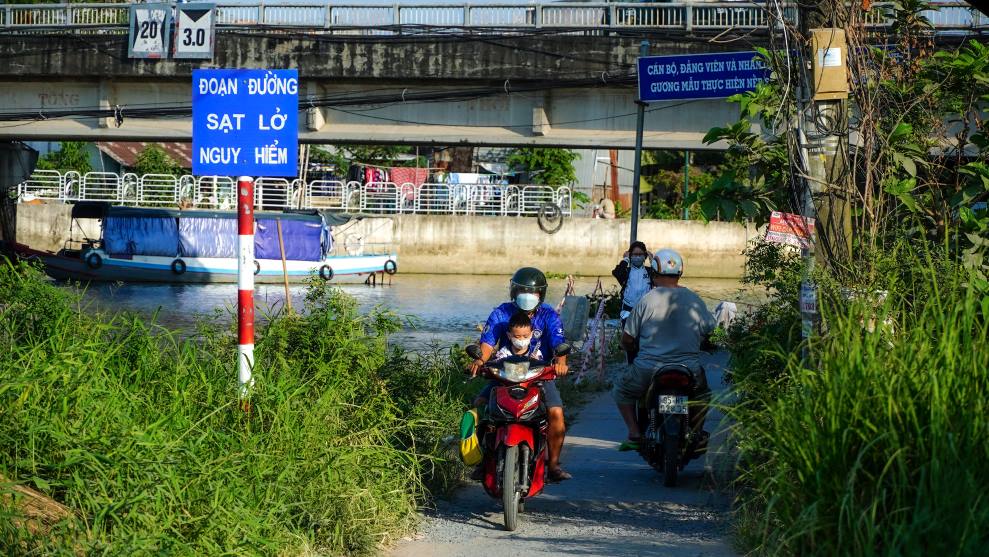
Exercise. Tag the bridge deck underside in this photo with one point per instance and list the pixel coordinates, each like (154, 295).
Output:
(585, 117)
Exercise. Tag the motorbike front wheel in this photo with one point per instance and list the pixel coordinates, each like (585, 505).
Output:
(509, 488)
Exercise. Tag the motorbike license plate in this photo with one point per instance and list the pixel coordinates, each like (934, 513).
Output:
(672, 404)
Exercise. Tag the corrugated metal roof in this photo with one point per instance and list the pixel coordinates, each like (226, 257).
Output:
(126, 152)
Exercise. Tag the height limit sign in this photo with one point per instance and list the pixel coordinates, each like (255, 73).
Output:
(245, 122)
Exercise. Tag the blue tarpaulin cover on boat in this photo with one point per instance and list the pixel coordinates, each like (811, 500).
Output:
(169, 232)
(207, 237)
(141, 236)
(303, 240)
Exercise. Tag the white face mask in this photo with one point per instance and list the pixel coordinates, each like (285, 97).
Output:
(521, 343)
(527, 301)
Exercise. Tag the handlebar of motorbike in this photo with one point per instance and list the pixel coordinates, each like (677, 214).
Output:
(548, 373)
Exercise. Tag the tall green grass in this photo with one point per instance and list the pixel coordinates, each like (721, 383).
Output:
(140, 434)
(879, 444)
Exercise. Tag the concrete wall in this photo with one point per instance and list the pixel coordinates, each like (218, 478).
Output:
(46, 226)
(487, 245)
(496, 245)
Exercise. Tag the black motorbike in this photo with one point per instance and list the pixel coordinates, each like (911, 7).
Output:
(665, 417)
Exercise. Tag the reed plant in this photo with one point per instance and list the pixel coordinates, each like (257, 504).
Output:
(141, 435)
(877, 443)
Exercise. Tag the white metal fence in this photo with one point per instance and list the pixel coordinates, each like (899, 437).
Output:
(380, 19)
(218, 192)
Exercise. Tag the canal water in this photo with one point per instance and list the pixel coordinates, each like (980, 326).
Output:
(442, 309)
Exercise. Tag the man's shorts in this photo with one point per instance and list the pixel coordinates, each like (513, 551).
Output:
(551, 395)
(633, 384)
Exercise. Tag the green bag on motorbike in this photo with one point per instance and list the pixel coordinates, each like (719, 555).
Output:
(470, 447)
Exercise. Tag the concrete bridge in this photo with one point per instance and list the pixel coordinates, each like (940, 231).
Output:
(550, 74)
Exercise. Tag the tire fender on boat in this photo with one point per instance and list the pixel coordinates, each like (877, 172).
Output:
(94, 260)
(178, 267)
(326, 272)
(257, 267)
(391, 267)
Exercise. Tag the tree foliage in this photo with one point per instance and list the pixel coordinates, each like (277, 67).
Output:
(154, 160)
(754, 177)
(917, 166)
(71, 156)
(378, 155)
(550, 166)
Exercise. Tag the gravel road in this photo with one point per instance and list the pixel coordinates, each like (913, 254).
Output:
(614, 505)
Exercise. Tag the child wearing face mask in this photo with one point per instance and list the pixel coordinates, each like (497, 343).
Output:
(520, 335)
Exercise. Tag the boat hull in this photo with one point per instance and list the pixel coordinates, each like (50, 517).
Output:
(205, 270)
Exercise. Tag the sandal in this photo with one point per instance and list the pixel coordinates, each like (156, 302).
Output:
(631, 444)
(558, 475)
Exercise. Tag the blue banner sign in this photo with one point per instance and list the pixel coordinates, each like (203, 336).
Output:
(245, 122)
(699, 76)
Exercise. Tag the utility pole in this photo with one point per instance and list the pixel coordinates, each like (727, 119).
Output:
(822, 134)
(826, 126)
(686, 183)
(615, 191)
(637, 173)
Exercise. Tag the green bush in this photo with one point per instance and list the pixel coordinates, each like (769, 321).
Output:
(875, 444)
(141, 434)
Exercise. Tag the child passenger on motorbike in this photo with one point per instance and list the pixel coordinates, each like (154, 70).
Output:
(520, 335)
(544, 333)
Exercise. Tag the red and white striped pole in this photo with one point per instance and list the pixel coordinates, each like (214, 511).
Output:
(245, 283)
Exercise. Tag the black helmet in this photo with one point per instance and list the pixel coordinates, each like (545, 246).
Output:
(528, 279)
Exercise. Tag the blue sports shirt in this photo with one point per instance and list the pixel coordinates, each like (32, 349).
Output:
(547, 329)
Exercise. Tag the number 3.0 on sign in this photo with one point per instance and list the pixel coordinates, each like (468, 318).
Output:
(194, 30)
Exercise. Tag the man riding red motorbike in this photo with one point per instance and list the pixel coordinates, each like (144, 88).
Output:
(528, 291)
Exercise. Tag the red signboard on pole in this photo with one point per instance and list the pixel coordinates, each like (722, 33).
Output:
(790, 229)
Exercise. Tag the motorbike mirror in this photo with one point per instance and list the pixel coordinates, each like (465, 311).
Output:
(474, 351)
(562, 349)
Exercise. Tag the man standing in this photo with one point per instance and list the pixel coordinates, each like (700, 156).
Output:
(667, 326)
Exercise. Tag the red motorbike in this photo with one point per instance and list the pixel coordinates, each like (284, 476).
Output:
(512, 434)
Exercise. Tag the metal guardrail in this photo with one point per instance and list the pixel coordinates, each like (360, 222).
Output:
(383, 19)
(218, 192)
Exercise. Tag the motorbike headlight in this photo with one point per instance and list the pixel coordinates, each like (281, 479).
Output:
(515, 372)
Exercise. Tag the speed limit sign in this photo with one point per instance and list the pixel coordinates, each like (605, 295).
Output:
(149, 30)
(194, 26)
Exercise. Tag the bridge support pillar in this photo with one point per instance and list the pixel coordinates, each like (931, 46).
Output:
(540, 121)
(315, 119)
(106, 103)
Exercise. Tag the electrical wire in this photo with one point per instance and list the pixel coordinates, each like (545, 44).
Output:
(510, 126)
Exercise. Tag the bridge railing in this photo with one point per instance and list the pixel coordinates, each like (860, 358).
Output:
(384, 19)
(218, 192)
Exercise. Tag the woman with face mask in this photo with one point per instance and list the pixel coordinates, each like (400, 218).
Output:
(634, 274)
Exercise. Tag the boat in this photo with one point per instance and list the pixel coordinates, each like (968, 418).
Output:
(196, 246)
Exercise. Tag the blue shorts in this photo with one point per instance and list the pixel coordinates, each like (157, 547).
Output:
(551, 395)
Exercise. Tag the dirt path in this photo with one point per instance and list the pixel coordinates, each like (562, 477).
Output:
(615, 505)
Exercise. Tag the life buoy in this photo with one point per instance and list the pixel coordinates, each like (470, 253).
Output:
(94, 260)
(178, 266)
(391, 267)
(257, 267)
(326, 272)
(550, 218)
